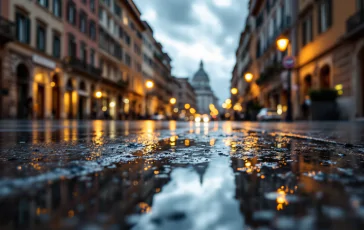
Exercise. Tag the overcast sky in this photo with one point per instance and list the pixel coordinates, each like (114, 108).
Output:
(191, 30)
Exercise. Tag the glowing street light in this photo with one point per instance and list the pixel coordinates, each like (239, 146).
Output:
(112, 104)
(234, 91)
(187, 106)
(248, 77)
(282, 44)
(192, 111)
(173, 100)
(149, 84)
(228, 101)
(98, 94)
(224, 105)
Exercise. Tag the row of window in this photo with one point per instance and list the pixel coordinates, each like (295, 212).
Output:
(23, 25)
(72, 50)
(324, 16)
(85, 26)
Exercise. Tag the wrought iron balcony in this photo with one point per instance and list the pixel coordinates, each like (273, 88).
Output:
(355, 23)
(7, 31)
(82, 67)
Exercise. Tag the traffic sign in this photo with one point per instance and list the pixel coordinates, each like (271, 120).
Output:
(288, 62)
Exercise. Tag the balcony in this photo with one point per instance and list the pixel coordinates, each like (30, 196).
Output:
(121, 84)
(7, 31)
(82, 67)
(355, 24)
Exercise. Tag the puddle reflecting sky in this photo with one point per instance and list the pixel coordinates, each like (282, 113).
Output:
(171, 175)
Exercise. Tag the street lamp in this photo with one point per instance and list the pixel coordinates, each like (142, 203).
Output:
(282, 45)
(149, 84)
(234, 91)
(98, 94)
(173, 100)
(248, 77)
(187, 106)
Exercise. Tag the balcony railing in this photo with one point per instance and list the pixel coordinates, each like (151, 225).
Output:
(7, 31)
(82, 67)
(355, 21)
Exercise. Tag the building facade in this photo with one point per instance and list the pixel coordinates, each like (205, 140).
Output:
(32, 63)
(186, 94)
(78, 60)
(204, 94)
(326, 40)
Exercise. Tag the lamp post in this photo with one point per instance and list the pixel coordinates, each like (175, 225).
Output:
(149, 84)
(288, 62)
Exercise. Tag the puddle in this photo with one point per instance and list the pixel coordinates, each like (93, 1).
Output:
(195, 178)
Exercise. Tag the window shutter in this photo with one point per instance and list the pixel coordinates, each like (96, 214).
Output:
(329, 13)
(60, 8)
(311, 28)
(68, 11)
(28, 29)
(319, 17)
(17, 19)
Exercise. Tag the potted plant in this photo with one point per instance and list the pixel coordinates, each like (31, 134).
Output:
(323, 104)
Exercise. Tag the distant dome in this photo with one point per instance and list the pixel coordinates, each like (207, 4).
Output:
(201, 75)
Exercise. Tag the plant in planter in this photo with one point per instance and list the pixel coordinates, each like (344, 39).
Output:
(323, 106)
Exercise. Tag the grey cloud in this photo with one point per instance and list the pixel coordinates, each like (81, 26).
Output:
(175, 15)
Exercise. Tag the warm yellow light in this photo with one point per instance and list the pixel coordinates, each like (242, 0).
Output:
(234, 91)
(282, 44)
(104, 108)
(98, 94)
(248, 77)
(339, 87)
(212, 106)
(175, 110)
(279, 109)
(53, 84)
(224, 105)
(112, 104)
(228, 101)
(187, 106)
(39, 77)
(173, 100)
(126, 101)
(192, 111)
(340, 92)
(197, 119)
(149, 84)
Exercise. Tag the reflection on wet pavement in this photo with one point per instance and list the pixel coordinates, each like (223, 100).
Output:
(172, 175)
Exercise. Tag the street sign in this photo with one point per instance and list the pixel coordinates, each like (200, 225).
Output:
(288, 62)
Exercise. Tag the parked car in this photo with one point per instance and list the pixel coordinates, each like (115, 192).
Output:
(266, 114)
(159, 117)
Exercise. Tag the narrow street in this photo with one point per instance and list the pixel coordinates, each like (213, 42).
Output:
(178, 175)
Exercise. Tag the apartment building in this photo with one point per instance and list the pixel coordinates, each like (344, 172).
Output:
(32, 62)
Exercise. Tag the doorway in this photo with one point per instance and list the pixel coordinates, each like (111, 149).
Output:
(40, 102)
(25, 103)
(69, 99)
(56, 103)
(82, 99)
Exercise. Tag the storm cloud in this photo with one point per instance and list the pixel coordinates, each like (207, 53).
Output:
(191, 30)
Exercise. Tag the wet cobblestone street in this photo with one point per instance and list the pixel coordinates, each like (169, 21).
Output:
(176, 175)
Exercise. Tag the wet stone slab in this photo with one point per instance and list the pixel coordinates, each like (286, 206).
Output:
(179, 176)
